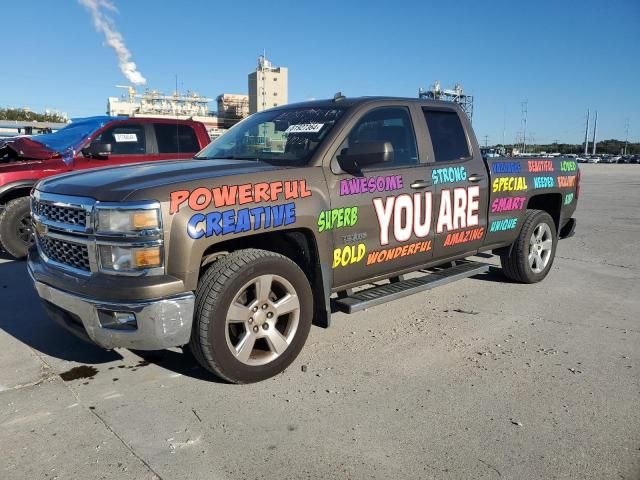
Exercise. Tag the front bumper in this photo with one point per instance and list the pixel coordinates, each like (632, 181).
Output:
(160, 324)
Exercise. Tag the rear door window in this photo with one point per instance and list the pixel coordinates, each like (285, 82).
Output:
(128, 139)
(447, 135)
(176, 138)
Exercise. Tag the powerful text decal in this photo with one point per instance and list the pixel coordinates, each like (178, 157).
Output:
(502, 225)
(540, 165)
(387, 183)
(337, 218)
(506, 167)
(410, 215)
(543, 182)
(348, 255)
(463, 237)
(448, 175)
(507, 204)
(509, 184)
(223, 222)
(387, 254)
(567, 181)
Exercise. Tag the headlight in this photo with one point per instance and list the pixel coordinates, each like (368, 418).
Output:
(127, 221)
(130, 259)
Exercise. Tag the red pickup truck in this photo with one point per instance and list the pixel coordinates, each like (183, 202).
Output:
(85, 143)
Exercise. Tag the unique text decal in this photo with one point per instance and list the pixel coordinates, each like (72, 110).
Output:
(540, 165)
(387, 254)
(448, 175)
(506, 167)
(502, 225)
(568, 166)
(567, 181)
(509, 184)
(507, 204)
(337, 218)
(543, 182)
(246, 219)
(568, 198)
(229, 195)
(458, 212)
(410, 215)
(463, 237)
(349, 254)
(353, 186)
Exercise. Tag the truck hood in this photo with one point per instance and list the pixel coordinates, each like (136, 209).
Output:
(120, 183)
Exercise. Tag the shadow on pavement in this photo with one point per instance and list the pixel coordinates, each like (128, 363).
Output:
(183, 363)
(22, 317)
(493, 275)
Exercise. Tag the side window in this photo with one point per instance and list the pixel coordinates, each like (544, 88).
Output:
(387, 124)
(447, 135)
(125, 139)
(176, 138)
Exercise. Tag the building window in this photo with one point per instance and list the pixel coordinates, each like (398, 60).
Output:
(275, 104)
(275, 79)
(275, 94)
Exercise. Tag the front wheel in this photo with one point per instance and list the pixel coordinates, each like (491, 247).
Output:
(253, 315)
(530, 257)
(16, 232)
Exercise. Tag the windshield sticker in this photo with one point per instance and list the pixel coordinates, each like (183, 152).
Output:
(387, 254)
(348, 255)
(448, 175)
(353, 186)
(125, 137)
(304, 128)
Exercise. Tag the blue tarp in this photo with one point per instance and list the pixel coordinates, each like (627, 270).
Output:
(72, 136)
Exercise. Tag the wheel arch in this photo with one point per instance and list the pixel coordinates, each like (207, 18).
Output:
(11, 191)
(550, 203)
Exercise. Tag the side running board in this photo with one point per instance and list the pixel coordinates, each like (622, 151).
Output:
(378, 295)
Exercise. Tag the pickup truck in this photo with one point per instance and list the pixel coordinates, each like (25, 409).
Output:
(272, 226)
(83, 144)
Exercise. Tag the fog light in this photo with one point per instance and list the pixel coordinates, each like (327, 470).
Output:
(117, 320)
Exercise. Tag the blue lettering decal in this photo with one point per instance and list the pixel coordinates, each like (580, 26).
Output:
(192, 229)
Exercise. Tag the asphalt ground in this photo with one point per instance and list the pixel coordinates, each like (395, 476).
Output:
(478, 379)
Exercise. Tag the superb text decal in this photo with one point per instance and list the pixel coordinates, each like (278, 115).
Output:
(228, 221)
(387, 183)
(337, 218)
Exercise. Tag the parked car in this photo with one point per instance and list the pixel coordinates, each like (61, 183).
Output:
(83, 144)
(235, 252)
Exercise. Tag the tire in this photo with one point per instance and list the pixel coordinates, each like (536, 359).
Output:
(256, 282)
(16, 232)
(538, 239)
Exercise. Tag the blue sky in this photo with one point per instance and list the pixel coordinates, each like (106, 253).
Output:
(561, 56)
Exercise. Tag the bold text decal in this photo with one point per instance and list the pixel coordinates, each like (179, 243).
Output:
(348, 255)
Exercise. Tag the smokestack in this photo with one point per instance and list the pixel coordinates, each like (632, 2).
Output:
(595, 127)
(113, 38)
(586, 135)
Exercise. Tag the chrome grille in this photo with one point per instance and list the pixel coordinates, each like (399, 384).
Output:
(61, 214)
(75, 255)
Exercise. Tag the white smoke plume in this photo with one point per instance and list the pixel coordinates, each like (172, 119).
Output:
(104, 24)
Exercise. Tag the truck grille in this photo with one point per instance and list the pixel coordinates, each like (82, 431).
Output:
(75, 255)
(60, 214)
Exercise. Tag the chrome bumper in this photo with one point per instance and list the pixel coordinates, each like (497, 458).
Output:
(160, 324)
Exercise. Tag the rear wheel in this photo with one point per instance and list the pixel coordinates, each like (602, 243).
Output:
(530, 257)
(16, 231)
(253, 315)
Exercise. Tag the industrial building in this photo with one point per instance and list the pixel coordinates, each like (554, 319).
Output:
(268, 86)
(232, 108)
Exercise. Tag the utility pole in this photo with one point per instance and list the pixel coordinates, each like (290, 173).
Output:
(586, 135)
(524, 125)
(626, 135)
(595, 128)
(486, 140)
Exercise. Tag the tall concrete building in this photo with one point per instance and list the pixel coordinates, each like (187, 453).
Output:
(268, 86)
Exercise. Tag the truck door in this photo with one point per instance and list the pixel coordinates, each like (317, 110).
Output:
(461, 182)
(381, 215)
(130, 143)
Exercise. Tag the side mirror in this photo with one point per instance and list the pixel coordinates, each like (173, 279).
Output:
(97, 150)
(364, 154)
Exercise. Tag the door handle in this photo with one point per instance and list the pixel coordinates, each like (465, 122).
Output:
(475, 178)
(420, 184)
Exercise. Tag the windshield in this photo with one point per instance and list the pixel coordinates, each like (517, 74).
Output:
(283, 137)
(73, 135)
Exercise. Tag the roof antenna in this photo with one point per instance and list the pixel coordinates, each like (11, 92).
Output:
(338, 96)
